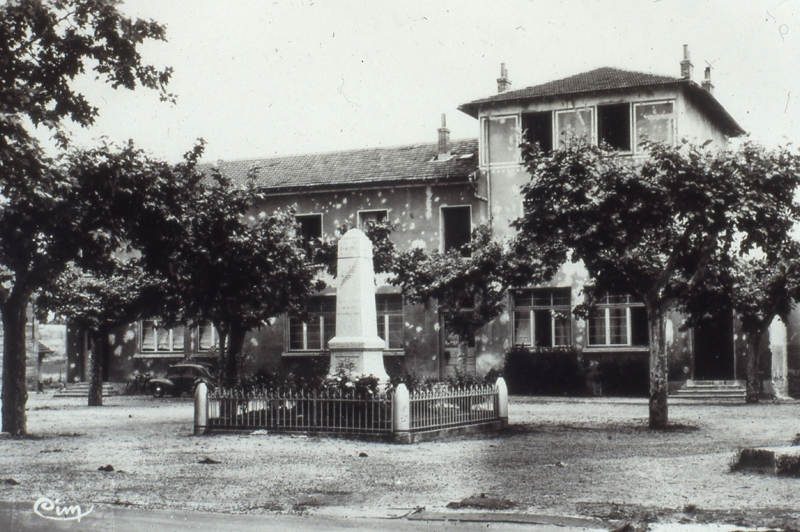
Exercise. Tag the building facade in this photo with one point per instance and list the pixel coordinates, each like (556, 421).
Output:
(435, 193)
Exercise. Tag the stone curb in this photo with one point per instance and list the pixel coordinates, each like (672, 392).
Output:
(526, 519)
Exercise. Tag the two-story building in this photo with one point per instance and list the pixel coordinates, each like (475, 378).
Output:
(429, 191)
(436, 193)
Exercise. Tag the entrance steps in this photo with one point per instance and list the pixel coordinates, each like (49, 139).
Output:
(81, 389)
(716, 391)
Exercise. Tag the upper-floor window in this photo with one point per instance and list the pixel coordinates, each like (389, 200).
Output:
(158, 339)
(619, 321)
(622, 126)
(575, 124)
(500, 143)
(456, 228)
(367, 217)
(614, 126)
(390, 319)
(320, 326)
(655, 122)
(538, 128)
(310, 228)
(542, 317)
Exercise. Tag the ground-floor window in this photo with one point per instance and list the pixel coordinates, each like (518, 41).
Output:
(618, 321)
(207, 337)
(542, 317)
(390, 319)
(158, 339)
(315, 332)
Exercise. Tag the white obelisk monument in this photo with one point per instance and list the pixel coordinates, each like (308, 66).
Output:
(356, 343)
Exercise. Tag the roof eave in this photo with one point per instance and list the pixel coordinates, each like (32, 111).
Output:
(728, 124)
(399, 182)
(715, 109)
(469, 109)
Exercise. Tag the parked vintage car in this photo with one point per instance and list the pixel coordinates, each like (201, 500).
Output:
(182, 378)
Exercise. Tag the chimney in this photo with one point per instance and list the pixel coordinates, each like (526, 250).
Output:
(503, 83)
(444, 141)
(707, 85)
(686, 65)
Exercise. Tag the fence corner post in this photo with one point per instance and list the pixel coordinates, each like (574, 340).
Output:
(502, 396)
(401, 414)
(200, 409)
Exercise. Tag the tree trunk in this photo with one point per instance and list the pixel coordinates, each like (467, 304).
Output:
(463, 356)
(15, 393)
(234, 354)
(657, 323)
(752, 366)
(222, 355)
(99, 341)
(39, 361)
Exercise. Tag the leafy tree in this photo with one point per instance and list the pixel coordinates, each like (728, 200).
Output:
(325, 251)
(757, 274)
(46, 44)
(45, 222)
(649, 229)
(97, 303)
(138, 201)
(758, 290)
(234, 266)
(469, 290)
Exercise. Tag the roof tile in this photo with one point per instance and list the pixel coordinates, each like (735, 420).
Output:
(396, 165)
(610, 79)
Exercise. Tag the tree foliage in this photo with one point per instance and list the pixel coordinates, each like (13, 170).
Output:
(134, 197)
(759, 290)
(96, 303)
(469, 290)
(756, 271)
(649, 228)
(234, 265)
(325, 251)
(49, 216)
(46, 44)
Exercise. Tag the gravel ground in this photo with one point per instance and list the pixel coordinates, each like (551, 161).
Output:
(592, 457)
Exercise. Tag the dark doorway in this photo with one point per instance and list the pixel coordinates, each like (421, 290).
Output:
(713, 348)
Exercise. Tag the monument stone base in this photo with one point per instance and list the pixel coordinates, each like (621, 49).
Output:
(362, 356)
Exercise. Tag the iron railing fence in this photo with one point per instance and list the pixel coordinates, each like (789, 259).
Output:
(453, 407)
(300, 411)
(394, 413)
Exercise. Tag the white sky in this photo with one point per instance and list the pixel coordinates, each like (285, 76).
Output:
(260, 78)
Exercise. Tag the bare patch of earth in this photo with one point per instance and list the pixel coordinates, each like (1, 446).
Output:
(590, 457)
